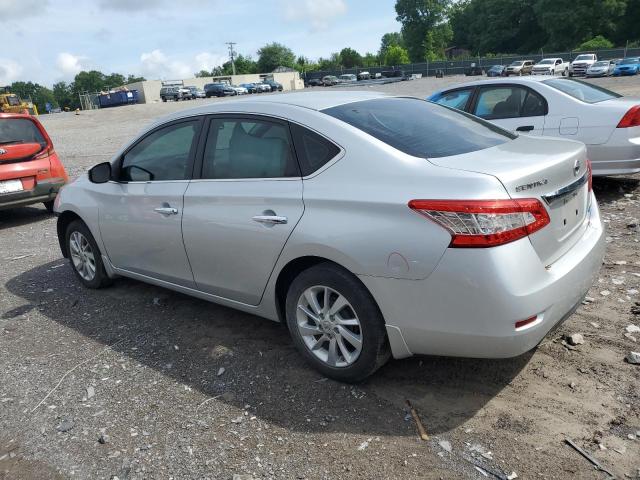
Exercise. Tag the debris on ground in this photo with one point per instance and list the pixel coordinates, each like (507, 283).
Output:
(445, 445)
(633, 358)
(582, 452)
(65, 425)
(574, 339)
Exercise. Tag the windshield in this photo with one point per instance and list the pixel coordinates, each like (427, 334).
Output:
(496, 67)
(19, 130)
(585, 92)
(516, 64)
(546, 62)
(601, 64)
(628, 61)
(584, 57)
(420, 128)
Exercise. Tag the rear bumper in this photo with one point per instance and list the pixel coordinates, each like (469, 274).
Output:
(44, 191)
(469, 305)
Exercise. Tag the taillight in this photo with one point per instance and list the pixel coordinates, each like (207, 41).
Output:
(48, 150)
(631, 118)
(484, 223)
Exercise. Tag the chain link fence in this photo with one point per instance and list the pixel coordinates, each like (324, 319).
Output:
(458, 67)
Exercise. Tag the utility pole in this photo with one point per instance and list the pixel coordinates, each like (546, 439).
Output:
(232, 55)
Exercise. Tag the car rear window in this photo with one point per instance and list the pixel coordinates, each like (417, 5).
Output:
(19, 130)
(585, 92)
(420, 128)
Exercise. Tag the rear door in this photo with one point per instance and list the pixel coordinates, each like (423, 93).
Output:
(513, 107)
(239, 214)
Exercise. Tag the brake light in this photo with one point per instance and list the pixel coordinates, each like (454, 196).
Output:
(484, 223)
(631, 118)
(48, 150)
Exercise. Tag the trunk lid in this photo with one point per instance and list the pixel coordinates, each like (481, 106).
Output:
(552, 171)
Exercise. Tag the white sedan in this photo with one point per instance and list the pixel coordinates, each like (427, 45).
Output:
(606, 122)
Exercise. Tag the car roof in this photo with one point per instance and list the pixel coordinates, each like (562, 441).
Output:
(533, 80)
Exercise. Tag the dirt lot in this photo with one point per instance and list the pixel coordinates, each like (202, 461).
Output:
(139, 382)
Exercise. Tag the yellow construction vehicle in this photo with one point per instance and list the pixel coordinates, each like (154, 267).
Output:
(12, 103)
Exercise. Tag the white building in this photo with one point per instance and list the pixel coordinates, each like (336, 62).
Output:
(149, 90)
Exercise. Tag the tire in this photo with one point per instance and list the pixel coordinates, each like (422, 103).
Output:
(48, 205)
(99, 278)
(361, 308)
(164, 99)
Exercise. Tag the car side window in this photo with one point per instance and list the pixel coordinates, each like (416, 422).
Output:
(313, 150)
(161, 155)
(248, 148)
(457, 99)
(508, 102)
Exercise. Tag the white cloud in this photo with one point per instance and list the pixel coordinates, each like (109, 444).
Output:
(128, 5)
(10, 71)
(13, 9)
(69, 64)
(317, 12)
(157, 65)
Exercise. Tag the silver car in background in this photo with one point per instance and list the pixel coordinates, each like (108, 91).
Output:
(608, 123)
(371, 225)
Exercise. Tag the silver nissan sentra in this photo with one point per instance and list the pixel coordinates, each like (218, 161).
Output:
(371, 225)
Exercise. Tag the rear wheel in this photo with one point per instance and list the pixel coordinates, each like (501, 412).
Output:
(335, 323)
(85, 257)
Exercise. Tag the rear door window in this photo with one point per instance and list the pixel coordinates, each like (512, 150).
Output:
(420, 128)
(313, 150)
(508, 101)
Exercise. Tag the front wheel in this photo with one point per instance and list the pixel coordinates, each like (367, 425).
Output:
(336, 324)
(85, 257)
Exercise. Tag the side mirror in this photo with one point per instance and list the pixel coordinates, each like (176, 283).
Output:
(101, 173)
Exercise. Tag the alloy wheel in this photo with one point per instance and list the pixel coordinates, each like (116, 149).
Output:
(82, 256)
(329, 326)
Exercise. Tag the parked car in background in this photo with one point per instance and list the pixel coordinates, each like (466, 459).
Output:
(30, 170)
(627, 66)
(186, 93)
(581, 64)
(171, 93)
(263, 87)
(251, 87)
(608, 123)
(449, 242)
(348, 78)
(602, 68)
(314, 82)
(364, 75)
(218, 90)
(240, 90)
(329, 80)
(473, 70)
(519, 67)
(275, 86)
(551, 66)
(196, 92)
(393, 74)
(496, 71)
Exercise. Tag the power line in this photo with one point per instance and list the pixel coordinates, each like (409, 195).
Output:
(232, 55)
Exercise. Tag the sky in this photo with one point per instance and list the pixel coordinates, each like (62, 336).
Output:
(47, 41)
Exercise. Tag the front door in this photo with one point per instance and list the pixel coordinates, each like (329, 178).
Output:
(512, 107)
(239, 215)
(141, 211)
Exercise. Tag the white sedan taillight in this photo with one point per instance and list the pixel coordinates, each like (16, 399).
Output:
(484, 223)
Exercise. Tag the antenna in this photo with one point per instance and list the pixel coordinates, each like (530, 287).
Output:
(232, 55)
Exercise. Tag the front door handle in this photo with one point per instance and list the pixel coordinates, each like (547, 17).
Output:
(525, 128)
(270, 219)
(166, 211)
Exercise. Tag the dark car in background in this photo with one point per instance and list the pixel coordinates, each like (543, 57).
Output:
(473, 70)
(275, 86)
(171, 93)
(314, 82)
(251, 87)
(218, 90)
(195, 92)
(496, 71)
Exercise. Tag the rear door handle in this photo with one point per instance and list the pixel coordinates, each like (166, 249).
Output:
(166, 211)
(525, 128)
(270, 219)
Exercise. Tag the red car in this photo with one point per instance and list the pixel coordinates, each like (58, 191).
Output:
(30, 170)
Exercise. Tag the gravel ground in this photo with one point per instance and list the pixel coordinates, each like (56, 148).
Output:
(139, 382)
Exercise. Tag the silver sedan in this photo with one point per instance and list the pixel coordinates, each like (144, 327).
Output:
(371, 225)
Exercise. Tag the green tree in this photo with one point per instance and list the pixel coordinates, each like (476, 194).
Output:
(35, 92)
(274, 55)
(393, 39)
(134, 79)
(64, 95)
(370, 60)
(202, 74)
(349, 58)
(92, 81)
(244, 64)
(595, 43)
(396, 55)
(331, 63)
(425, 29)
